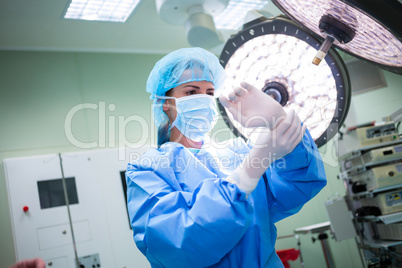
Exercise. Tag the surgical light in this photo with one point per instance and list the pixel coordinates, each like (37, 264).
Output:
(274, 55)
(98, 10)
(369, 30)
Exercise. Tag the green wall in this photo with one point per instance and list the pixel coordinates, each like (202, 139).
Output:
(40, 89)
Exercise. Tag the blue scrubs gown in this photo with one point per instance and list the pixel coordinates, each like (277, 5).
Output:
(184, 214)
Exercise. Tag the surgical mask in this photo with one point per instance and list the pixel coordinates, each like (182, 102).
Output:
(196, 115)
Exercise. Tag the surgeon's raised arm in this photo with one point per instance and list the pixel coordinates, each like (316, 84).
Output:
(295, 179)
(279, 132)
(270, 145)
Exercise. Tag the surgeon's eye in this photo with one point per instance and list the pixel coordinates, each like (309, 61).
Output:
(191, 92)
(210, 93)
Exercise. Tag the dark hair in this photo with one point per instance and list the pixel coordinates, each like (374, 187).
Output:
(163, 134)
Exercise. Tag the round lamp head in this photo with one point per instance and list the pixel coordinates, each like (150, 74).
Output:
(274, 55)
(369, 30)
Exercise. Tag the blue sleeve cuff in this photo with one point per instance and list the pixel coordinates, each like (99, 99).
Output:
(300, 157)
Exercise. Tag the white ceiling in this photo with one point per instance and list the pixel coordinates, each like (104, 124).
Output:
(38, 25)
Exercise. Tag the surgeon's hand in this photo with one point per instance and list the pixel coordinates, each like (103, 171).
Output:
(269, 146)
(252, 107)
(31, 263)
(281, 140)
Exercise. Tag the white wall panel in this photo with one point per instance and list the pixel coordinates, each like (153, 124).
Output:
(100, 219)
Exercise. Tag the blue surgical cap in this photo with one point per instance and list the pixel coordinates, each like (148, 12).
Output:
(179, 67)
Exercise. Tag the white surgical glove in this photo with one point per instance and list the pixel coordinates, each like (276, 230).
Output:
(252, 107)
(270, 145)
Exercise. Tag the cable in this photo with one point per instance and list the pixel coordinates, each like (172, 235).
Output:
(340, 135)
(394, 253)
(68, 210)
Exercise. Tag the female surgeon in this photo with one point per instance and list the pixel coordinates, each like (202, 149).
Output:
(193, 203)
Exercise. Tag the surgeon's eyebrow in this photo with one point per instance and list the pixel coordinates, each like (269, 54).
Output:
(192, 86)
(197, 87)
